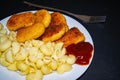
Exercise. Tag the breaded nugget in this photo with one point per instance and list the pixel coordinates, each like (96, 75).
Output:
(72, 36)
(18, 21)
(31, 32)
(53, 33)
(56, 29)
(43, 16)
(58, 18)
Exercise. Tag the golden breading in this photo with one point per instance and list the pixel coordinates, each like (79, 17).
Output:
(18, 21)
(56, 29)
(58, 18)
(72, 36)
(53, 33)
(43, 16)
(31, 32)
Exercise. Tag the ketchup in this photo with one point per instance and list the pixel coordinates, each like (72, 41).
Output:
(82, 51)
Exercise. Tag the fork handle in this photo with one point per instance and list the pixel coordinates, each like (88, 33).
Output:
(83, 18)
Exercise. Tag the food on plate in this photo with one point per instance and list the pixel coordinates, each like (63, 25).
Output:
(58, 18)
(53, 33)
(35, 58)
(21, 20)
(29, 25)
(82, 51)
(43, 16)
(56, 29)
(73, 35)
(31, 32)
(35, 76)
(5, 43)
(63, 68)
(38, 45)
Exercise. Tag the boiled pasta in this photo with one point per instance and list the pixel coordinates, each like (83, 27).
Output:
(39, 63)
(34, 58)
(71, 59)
(53, 65)
(12, 66)
(5, 43)
(3, 61)
(63, 68)
(45, 69)
(21, 66)
(35, 76)
(15, 47)
(9, 57)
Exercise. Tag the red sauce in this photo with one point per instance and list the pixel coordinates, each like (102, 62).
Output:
(82, 51)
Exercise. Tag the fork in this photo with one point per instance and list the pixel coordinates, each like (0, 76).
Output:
(83, 18)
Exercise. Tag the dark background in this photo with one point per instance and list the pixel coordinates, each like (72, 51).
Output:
(105, 64)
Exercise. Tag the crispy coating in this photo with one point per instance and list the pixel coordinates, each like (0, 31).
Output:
(18, 21)
(53, 33)
(31, 32)
(73, 35)
(58, 18)
(56, 29)
(43, 16)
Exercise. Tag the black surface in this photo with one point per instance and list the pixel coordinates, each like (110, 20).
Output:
(105, 64)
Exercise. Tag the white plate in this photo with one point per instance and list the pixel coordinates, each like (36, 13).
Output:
(75, 73)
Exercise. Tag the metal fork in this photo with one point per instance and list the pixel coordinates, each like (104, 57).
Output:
(83, 18)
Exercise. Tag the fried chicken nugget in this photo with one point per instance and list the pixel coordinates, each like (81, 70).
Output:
(56, 29)
(31, 32)
(73, 35)
(58, 18)
(18, 21)
(43, 16)
(54, 32)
